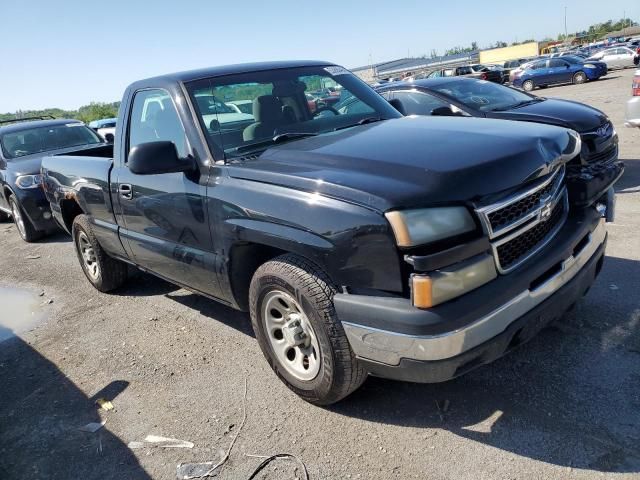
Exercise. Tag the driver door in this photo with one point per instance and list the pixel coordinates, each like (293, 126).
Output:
(165, 215)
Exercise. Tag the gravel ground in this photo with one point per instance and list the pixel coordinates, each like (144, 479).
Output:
(564, 406)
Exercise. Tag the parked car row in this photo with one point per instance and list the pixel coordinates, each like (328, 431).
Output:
(360, 240)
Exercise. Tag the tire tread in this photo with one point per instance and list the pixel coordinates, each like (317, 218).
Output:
(349, 374)
(113, 273)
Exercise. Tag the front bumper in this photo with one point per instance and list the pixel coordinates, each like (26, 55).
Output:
(395, 340)
(36, 207)
(632, 114)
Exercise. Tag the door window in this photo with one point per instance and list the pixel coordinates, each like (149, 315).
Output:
(154, 118)
(556, 62)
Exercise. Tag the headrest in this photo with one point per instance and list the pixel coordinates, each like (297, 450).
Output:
(267, 108)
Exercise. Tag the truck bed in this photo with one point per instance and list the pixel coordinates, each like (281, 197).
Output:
(81, 176)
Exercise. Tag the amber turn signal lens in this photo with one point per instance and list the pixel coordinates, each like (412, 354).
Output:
(421, 291)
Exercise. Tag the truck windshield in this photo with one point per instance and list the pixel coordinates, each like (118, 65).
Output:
(286, 105)
(42, 139)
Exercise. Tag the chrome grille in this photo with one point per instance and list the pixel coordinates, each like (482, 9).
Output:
(523, 223)
(513, 250)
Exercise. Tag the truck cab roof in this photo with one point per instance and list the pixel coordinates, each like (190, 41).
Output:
(209, 72)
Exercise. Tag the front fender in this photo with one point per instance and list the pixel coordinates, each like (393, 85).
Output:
(353, 244)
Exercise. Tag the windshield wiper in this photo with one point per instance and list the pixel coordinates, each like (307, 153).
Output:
(518, 105)
(363, 121)
(291, 135)
(262, 144)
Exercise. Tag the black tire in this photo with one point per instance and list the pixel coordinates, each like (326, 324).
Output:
(4, 217)
(108, 273)
(579, 78)
(25, 228)
(528, 85)
(339, 372)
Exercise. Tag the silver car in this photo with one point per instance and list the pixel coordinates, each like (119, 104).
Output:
(632, 116)
(618, 57)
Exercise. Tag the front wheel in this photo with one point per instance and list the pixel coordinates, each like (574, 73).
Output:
(579, 77)
(528, 85)
(296, 325)
(25, 228)
(104, 273)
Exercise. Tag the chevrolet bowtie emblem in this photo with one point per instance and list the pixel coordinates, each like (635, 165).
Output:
(545, 210)
(603, 131)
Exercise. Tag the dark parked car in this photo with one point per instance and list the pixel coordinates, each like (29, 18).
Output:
(468, 97)
(23, 143)
(361, 241)
(552, 71)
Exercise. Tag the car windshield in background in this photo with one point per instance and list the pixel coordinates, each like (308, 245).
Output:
(286, 104)
(483, 95)
(573, 59)
(42, 139)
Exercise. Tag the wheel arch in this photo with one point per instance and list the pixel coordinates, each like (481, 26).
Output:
(69, 210)
(260, 242)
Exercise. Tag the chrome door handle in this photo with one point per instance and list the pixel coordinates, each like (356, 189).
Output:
(125, 191)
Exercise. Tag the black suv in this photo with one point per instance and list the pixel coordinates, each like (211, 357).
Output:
(23, 143)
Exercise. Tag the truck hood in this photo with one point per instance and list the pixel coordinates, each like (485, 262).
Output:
(414, 161)
(581, 118)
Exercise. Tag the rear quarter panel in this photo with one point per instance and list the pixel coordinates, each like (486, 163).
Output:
(85, 181)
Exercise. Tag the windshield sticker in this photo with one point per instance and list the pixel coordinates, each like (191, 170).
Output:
(75, 124)
(335, 70)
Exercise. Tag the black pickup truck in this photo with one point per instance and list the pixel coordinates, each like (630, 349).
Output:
(361, 241)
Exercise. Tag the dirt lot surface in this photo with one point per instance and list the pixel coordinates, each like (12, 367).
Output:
(564, 406)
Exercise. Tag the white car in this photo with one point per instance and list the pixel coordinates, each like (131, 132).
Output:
(217, 113)
(617, 57)
(241, 106)
(632, 115)
(106, 128)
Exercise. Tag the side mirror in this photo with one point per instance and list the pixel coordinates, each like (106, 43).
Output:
(397, 104)
(442, 112)
(154, 158)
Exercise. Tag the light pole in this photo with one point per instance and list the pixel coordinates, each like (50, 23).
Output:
(565, 23)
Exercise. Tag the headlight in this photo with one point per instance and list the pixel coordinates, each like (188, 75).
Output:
(588, 65)
(426, 225)
(28, 181)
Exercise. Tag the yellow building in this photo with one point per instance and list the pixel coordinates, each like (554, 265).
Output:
(499, 55)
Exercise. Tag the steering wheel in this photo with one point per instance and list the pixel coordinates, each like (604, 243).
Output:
(325, 109)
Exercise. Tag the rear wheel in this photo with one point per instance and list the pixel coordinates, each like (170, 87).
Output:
(579, 77)
(528, 85)
(104, 273)
(297, 328)
(25, 228)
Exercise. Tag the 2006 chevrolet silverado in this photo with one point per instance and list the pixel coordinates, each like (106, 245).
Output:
(362, 242)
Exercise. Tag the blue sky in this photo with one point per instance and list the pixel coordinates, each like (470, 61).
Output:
(67, 53)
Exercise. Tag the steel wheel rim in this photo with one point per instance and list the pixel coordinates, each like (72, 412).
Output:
(291, 335)
(17, 218)
(88, 254)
